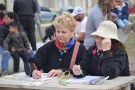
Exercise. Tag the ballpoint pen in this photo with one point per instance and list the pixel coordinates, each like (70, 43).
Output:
(80, 70)
(35, 68)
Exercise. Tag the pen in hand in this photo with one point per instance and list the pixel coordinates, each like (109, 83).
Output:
(36, 72)
(81, 72)
(35, 66)
(77, 67)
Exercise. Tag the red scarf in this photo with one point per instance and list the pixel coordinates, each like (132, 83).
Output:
(65, 47)
(59, 45)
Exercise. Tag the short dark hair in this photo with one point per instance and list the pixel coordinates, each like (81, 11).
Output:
(14, 24)
(12, 15)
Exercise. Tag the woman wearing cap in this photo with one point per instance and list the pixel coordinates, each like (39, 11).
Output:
(56, 56)
(107, 57)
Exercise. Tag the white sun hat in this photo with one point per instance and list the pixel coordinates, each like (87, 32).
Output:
(107, 29)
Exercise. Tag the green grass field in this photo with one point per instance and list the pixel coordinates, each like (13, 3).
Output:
(132, 18)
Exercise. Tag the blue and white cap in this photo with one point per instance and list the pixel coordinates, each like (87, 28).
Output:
(77, 10)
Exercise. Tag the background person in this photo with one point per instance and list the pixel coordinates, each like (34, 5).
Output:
(81, 19)
(26, 18)
(100, 12)
(120, 15)
(37, 20)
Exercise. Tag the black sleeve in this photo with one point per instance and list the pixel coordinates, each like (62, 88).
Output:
(37, 6)
(113, 65)
(34, 6)
(38, 60)
(29, 68)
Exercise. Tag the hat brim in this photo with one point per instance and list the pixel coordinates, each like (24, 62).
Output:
(74, 14)
(104, 35)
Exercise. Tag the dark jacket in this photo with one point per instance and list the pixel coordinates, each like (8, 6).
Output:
(125, 12)
(24, 7)
(3, 33)
(106, 63)
(18, 41)
(48, 57)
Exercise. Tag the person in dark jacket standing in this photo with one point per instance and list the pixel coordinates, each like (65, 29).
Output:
(55, 56)
(107, 57)
(25, 9)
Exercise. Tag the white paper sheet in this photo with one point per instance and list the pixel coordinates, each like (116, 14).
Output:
(34, 83)
(23, 76)
(43, 77)
(84, 79)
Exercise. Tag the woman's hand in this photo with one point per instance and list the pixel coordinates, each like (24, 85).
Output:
(76, 69)
(36, 74)
(106, 44)
(54, 72)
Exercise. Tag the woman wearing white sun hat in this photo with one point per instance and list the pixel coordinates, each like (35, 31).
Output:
(107, 57)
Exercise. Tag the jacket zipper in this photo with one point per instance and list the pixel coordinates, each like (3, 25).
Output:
(99, 63)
